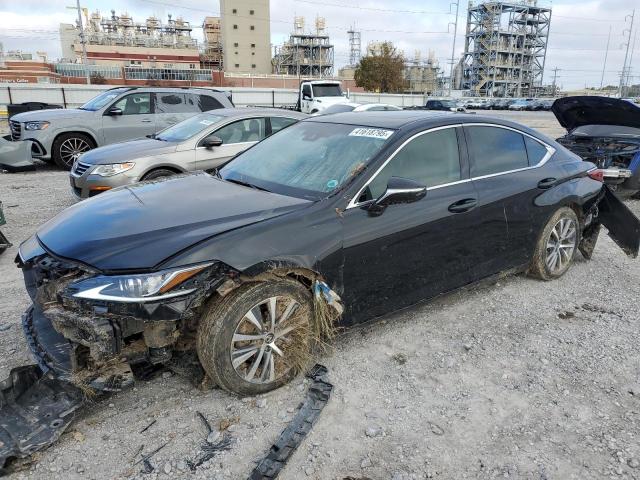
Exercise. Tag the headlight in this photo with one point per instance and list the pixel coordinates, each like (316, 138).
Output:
(112, 169)
(136, 288)
(36, 125)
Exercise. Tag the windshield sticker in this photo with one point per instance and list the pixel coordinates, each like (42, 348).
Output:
(206, 122)
(331, 184)
(371, 133)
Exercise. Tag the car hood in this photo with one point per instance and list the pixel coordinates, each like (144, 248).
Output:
(51, 114)
(328, 101)
(126, 151)
(573, 112)
(138, 226)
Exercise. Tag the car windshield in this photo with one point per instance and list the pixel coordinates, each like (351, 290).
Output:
(327, 90)
(338, 108)
(101, 100)
(188, 128)
(307, 160)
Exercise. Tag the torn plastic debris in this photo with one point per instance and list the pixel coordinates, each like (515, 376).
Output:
(15, 155)
(292, 436)
(321, 289)
(35, 408)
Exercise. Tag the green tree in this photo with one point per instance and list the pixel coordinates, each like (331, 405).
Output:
(381, 69)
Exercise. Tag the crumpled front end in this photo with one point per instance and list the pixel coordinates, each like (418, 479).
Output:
(104, 344)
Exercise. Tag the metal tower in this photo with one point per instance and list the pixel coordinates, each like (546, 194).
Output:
(505, 48)
(355, 47)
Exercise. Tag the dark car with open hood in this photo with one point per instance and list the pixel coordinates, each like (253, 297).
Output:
(604, 131)
(234, 277)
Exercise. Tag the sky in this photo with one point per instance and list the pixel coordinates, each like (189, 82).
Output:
(577, 43)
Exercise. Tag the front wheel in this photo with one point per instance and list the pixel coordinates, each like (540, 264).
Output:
(68, 147)
(256, 338)
(159, 173)
(556, 246)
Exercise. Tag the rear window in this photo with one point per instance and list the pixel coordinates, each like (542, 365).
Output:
(173, 103)
(496, 150)
(535, 151)
(206, 103)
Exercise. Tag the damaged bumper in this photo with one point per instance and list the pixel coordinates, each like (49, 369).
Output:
(16, 155)
(35, 408)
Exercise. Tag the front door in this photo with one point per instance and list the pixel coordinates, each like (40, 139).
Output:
(236, 137)
(413, 251)
(137, 119)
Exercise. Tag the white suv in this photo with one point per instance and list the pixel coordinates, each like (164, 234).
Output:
(117, 115)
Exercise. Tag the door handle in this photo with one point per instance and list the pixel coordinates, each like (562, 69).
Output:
(463, 205)
(147, 120)
(547, 183)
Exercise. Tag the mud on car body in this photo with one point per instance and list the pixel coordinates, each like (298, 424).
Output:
(234, 276)
(606, 132)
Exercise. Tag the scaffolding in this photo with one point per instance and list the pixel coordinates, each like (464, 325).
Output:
(305, 54)
(211, 54)
(355, 46)
(123, 31)
(421, 76)
(505, 48)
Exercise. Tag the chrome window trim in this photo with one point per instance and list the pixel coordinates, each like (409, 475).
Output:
(550, 152)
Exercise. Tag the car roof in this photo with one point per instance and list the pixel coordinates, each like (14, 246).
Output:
(170, 89)
(251, 112)
(389, 119)
(423, 118)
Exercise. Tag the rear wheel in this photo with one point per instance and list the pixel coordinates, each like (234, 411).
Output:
(159, 173)
(556, 246)
(257, 337)
(68, 147)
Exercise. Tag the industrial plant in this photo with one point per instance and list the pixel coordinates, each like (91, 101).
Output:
(505, 48)
(305, 53)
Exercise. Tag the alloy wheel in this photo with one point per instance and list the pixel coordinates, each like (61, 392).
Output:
(261, 343)
(72, 148)
(561, 244)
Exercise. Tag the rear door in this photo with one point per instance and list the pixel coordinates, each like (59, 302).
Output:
(236, 137)
(278, 123)
(173, 107)
(418, 250)
(509, 169)
(137, 119)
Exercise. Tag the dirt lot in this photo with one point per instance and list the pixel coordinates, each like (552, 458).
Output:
(517, 379)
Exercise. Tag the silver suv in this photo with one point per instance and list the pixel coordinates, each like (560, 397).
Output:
(117, 115)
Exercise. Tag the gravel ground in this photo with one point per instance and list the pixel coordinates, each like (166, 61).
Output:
(515, 379)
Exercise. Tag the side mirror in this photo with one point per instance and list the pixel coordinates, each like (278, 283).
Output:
(306, 97)
(399, 190)
(211, 141)
(115, 111)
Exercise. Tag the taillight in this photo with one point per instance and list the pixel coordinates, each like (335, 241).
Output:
(596, 174)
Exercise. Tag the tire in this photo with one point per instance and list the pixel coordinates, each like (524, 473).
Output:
(67, 148)
(556, 246)
(230, 316)
(159, 173)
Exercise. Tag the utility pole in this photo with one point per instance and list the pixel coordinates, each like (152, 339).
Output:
(626, 54)
(453, 50)
(606, 54)
(83, 42)
(555, 76)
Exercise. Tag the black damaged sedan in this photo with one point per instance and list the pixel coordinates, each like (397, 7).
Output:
(225, 275)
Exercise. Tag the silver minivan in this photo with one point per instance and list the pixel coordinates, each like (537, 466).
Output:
(116, 115)
(202, 142)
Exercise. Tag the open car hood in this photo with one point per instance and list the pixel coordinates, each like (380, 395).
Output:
(573, 112)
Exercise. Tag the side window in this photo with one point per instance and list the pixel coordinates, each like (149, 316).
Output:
(278, 123)
(206, 103)
(173, 103)
(250, 130)
(431, 159)
(306, 90)
(135, 104)
(535, 151)
(496, 150)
